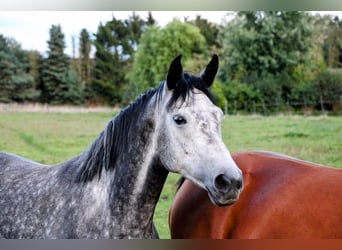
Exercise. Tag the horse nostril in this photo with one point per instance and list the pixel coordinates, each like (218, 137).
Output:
(238, 184)
(222, 183)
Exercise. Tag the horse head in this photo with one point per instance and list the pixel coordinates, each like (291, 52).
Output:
(190, 141)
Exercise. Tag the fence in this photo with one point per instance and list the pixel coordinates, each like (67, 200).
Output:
(38, 107)
(305, 107)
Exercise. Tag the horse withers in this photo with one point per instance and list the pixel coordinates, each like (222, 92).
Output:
(111, 189)
(282, 198)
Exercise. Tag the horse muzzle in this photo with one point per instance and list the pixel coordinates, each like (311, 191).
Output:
(225, 190)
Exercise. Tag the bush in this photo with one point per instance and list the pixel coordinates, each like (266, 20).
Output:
(240, 95)
(327, 85)
(218, 94)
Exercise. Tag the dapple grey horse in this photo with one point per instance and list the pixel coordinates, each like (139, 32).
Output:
(111, 189)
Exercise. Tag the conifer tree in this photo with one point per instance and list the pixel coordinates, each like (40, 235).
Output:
(115, 43)
(59, 80)
(85, 61)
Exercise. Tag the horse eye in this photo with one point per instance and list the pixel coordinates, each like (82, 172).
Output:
(179, 120)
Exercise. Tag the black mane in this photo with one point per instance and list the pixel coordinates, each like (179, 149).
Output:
(113, 141)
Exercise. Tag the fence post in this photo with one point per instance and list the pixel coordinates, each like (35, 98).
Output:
(264, 107)
(226, 107)
(322, 105)
(341, 104)
(277, 105)
(254, 107)
(305, 106)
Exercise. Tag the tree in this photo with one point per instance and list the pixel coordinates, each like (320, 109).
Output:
(35, 65)
(265, 45)
(85, 61)
(157, 47)
(332, 47)
(210, 31)
(15, 82)
(59, 83)
(108, 75)
(150, 20)
(135, 25)
(267, 42)
(115, 42)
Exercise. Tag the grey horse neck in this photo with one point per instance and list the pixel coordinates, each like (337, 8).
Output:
(122, 163)
(108, 191)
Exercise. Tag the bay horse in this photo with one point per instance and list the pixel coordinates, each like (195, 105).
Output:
(282, 198)
(111, 189)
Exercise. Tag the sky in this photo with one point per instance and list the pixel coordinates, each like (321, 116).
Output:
(31, 28)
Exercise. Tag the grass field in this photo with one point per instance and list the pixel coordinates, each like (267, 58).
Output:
(54, 137)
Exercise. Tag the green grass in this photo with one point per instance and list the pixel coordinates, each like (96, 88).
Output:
(317, 139)
(54, 137)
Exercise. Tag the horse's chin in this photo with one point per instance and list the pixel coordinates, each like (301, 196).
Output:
(223, 200)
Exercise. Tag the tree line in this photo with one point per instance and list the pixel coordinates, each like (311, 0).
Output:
(266, 57)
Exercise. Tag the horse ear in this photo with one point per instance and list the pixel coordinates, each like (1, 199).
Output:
(208, 73)
(175, 73)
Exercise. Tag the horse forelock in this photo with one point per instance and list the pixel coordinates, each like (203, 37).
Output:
(186, 86)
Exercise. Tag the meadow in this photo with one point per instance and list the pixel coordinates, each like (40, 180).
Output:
(50, 138)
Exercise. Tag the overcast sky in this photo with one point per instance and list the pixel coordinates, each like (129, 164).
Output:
(31, 28)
